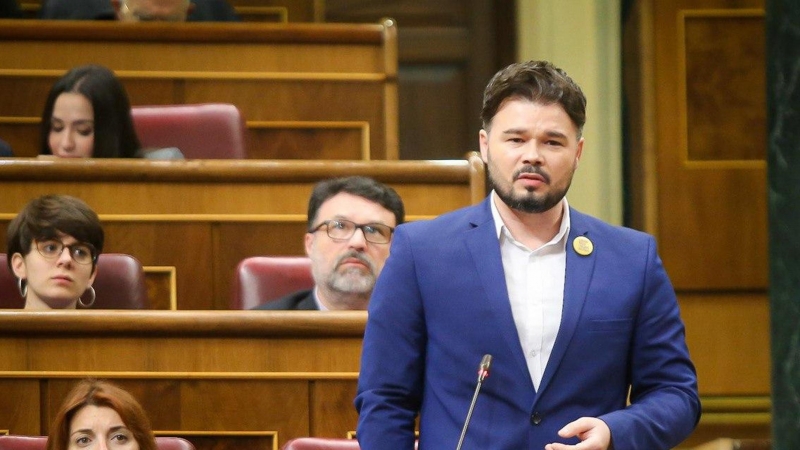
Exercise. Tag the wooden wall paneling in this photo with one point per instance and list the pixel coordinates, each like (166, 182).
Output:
(447, 51)
(195, 220)
(185, 246)
(296, 372)
(13, 351)
(313, 74)
(332, 412)
(270, 405)
(722, 327)
(724, 60)
(182, 341)
(705, 200)
(308, 140)
(236, 379)
(279, 10)
(162, 286)
(698, 198)
(750, 421)
(19, 412)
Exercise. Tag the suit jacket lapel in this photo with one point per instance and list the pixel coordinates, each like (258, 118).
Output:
(483, 245)
(576, 287)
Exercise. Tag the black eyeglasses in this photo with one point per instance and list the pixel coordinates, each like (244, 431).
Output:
(341, 230)
(80, 252)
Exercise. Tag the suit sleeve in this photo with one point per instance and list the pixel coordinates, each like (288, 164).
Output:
(393, 355)
(664, 404)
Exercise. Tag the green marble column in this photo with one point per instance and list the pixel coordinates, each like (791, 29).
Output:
(783, 116)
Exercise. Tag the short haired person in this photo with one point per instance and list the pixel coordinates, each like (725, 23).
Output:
(579, 316)
(140, 10)
(98, 415)
(52, 250)
(350, 226)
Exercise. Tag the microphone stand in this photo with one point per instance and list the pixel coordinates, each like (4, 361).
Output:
(483, 372)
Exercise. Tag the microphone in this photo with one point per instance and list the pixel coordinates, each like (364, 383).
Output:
(483, 373)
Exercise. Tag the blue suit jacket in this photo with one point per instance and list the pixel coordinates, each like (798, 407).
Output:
(441, 303)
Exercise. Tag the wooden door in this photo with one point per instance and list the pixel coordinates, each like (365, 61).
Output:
(695, 84)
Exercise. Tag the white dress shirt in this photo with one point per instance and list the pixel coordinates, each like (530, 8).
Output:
(535, 281)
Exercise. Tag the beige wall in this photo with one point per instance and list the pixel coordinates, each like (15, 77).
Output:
(583, 38)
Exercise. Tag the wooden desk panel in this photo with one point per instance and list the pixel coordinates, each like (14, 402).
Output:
(203, 217)
(280, 10)
(288, 78)
(243, 379)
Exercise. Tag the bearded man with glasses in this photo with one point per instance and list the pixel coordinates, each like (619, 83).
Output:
(350, 226)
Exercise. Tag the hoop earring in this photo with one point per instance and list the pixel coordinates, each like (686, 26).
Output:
(23, 289)
(90, 302)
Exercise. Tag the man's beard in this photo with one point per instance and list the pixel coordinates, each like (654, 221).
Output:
(530, 201)
(352, 280)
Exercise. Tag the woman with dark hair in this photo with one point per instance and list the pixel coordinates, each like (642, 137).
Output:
(97, 412)
(47, 276)
(88, 115)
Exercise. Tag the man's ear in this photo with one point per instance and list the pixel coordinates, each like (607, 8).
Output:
(483, 141)
(309, 242)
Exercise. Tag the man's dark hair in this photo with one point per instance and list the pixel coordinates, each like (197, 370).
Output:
(44, 217)
(359, 186)
(538, 82)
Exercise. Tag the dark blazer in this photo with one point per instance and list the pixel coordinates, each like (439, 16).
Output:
(441, 303)
(5, 149)
(204, 10)
(300, 300)
(9, 9)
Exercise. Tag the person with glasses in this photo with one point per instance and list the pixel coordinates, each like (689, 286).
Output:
(140, 10)
(53, 246)
(350, 225)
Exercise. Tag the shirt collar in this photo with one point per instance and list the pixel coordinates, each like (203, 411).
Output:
(315, 294)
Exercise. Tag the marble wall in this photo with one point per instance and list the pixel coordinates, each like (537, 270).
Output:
(783, 114)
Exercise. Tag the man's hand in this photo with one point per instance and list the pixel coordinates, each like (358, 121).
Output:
(593, 433)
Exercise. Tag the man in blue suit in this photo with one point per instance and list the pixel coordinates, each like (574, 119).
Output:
(580, 317)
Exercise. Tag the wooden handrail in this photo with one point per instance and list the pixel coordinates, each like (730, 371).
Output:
(237, 171)
(262, 324)
(67, 30)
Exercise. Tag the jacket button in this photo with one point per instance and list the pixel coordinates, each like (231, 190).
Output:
(536, 419)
